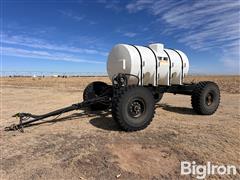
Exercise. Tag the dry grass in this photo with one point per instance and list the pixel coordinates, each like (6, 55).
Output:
(228, 84)
(90, 146)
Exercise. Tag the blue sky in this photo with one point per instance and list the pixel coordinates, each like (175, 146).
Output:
(76, 35)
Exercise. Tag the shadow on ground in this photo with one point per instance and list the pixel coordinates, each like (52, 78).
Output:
(105, 123)
(179, 110)
(100, 120)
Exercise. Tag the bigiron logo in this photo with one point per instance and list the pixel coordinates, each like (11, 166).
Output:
(202, 171)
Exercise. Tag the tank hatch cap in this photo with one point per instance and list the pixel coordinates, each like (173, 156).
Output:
(157, 47)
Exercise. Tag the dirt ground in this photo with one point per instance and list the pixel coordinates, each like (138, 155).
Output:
(91, 146)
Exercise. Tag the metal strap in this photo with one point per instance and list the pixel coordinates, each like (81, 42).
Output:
(141, 66)
(181, 61)
(170, 66)
(156, 65)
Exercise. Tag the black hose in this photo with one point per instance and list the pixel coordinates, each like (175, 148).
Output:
(118, 79)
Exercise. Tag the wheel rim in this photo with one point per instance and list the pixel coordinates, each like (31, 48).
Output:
(209, 99)
(136, 107)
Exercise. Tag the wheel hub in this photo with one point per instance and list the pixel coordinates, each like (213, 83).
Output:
(209, 99)
(136, 108)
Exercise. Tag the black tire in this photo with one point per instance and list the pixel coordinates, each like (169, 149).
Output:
(205, 98)
(133, 107)
(94, 90)
(158, 97)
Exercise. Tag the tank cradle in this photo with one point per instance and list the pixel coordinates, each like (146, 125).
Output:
(28, 118)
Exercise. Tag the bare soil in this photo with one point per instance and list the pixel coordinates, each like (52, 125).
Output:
(78, 145)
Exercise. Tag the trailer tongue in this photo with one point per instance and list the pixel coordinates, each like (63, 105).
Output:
(28, 118)
(97, 96)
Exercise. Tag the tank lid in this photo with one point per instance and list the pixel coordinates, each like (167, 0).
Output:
(157, 47)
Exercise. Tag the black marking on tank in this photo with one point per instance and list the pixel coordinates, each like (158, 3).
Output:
(181, 61)
(170, 67)
(141, 65)
(156, 64)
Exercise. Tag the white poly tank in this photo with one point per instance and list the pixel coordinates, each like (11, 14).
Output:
(154, 65)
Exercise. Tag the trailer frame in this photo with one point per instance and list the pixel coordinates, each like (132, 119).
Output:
(110, 94)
